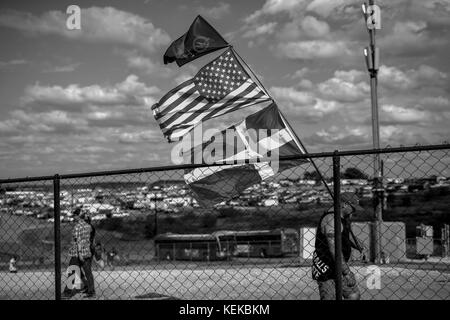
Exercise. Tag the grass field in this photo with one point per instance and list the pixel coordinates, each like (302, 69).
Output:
(271, 283)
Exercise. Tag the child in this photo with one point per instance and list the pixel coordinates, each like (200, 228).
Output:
(12, 265)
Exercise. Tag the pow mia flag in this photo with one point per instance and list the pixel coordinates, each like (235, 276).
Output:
(200, 39)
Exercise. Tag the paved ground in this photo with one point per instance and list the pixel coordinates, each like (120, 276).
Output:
(273, 283)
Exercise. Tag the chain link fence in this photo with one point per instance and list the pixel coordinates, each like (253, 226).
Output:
(153, 240)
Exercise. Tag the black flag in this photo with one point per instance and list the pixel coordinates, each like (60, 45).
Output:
(200, 39)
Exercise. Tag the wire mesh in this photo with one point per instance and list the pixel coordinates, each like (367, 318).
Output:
(154, 240)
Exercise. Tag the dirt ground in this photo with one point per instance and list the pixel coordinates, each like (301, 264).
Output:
(271, 283)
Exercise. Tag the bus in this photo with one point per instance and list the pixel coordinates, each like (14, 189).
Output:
(204, 247)
(260, 243)
(223, 245)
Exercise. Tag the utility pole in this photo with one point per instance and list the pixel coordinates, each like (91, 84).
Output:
(372, 20)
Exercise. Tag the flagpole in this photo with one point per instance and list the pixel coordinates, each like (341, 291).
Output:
(288, 126)
(301, 146)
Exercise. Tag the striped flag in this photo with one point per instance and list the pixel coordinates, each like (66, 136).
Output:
(220, 87)
(250, 156)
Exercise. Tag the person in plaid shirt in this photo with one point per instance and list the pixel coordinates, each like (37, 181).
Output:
(81, 255)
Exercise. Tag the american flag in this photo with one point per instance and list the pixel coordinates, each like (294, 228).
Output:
(220, 87)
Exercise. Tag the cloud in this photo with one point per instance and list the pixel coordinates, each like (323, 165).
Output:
(9, 125)
(410, 38)
(297, 97)
(395, 114)
(326, 8)
(74, 98)
(299, 74)
(263, 29)
(138, 137)
(54, 121)
(394, 78)
(305, 105)
(315, 28)
(215, 12)
(98, 25)
(66, 68)
(439, 103)
(272, 7)
(10, 63)
(313, 49)
(343, 87)
(342, 136)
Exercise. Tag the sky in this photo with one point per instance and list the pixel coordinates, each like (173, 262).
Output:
(79, 100)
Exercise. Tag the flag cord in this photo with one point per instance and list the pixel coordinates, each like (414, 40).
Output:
(288, 126)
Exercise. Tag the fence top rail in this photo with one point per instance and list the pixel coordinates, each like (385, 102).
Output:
(193, 166)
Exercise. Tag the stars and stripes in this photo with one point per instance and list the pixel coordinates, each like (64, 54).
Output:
(220, 87)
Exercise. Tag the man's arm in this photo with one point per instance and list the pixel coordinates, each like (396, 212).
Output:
(329, 230)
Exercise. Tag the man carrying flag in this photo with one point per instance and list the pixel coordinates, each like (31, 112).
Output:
(220, 87)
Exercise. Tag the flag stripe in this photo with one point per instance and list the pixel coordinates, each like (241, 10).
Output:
(173, 119)
(251, 93)
(208, 113)
(180, 89)
(175, 100)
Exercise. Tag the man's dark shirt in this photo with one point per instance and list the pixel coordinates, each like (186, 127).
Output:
(323, 261)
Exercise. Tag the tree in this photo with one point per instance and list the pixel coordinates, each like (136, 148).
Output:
(354, 173)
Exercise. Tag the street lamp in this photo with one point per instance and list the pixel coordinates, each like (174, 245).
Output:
(372, 56)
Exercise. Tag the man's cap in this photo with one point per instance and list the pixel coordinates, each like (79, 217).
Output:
(352, 199)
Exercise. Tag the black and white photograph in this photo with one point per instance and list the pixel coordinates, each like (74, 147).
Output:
(237, 152)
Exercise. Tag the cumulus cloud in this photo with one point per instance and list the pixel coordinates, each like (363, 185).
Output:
(410, 38)
(305, 104)
(216, 12)
(326, 8)
(315, 28)
(344, 136)
(65, 68)
(276, 6)
(394, 78)
(54, 121)
(263, 29)
(139, 136)
(313, 49)
(343, 87)
(10, 63)
(128, 92)
(397, 114)
(105, 25)
(439, 103)
(298, 97)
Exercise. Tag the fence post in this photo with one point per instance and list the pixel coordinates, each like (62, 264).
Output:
(57, 235)
(337, 225)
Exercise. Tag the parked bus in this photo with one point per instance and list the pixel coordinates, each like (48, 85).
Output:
(206, 247)
(221, 245)
(260, 243)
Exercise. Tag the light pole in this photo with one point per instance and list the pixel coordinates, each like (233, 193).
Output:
(372, 21)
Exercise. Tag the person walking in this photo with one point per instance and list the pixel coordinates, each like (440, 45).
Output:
(323, 268)
(81, 256)
(12, 265)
